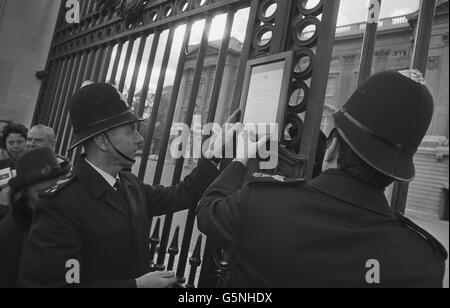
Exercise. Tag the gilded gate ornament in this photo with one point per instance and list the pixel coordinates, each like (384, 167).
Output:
(130, 10)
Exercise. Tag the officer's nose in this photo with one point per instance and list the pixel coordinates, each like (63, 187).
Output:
(139, 139)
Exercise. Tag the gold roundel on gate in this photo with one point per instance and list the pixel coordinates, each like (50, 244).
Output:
(310, 7)
(267, 11)
(263, 37)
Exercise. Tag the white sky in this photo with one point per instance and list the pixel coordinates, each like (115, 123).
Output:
(351, 11)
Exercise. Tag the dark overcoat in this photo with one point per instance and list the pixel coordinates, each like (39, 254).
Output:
(331, 232)
(84, 219)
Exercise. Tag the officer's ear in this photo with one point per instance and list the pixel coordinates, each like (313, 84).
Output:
(101, 142)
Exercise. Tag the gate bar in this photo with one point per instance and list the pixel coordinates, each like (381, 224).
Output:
(420, 59)
(252, 20)
(180, 162)
(84, 6)
(137, 68)
(60, 123)
(69, 80)
(99, 52)
(156, 104)
(151, 129)
(65, 125)
(172, 106)
(105, 64)
(148, 73)
(368, 48)
(58, 91)
(314, 112)
(216, 7)
(68, 122)
(57, 107)
(115, 68)
(166, 136)
(90, 60)
(55, 71)
(220, 67)
(126, 64)
(102, 78)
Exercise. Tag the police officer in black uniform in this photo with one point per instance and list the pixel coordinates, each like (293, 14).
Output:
(92, 229)
(337, 230)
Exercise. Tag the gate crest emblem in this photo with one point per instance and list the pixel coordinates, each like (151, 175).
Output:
(130, 10)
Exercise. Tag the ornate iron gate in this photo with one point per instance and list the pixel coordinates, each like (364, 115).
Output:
(142, 44)
(136, 45)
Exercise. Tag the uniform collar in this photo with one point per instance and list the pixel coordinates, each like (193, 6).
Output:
(90, 178)
(98, 187)
(341, 186)
(108, 177)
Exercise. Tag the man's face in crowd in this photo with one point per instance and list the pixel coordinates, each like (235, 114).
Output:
(127, 140)
(39, 138)
(15, 144)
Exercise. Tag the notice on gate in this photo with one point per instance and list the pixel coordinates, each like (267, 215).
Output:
(5, 176)
(265, 92)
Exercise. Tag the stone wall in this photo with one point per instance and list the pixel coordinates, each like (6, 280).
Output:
(26, 30)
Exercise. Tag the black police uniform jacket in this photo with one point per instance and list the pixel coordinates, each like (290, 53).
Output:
(12, 238)
(84, 219)
(327, 233)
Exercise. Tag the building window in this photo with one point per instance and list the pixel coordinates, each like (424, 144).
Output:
(335, 60)
(331, 87)
(400, 53)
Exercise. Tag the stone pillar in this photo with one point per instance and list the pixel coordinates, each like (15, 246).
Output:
(381, 60)
(348, 83)
(26, 31)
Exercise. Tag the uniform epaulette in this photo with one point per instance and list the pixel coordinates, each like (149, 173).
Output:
(273, 179)
(437, 246)
(55, 189)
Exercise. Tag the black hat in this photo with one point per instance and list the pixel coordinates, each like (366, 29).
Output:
(385, 121)
(97, 108)
(36, 166)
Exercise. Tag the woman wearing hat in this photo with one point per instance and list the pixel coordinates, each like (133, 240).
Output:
(36, 170)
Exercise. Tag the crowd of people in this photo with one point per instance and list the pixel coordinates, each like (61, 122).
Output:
(30, 157)
(89, 226)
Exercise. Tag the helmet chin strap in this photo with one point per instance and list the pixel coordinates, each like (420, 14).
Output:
(118, 152)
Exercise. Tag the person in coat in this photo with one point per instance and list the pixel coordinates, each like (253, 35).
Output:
(337, 230)
(37, 170)
(93, 228)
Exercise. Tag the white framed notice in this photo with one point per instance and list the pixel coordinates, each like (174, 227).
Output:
(266, 89)
(5, 176)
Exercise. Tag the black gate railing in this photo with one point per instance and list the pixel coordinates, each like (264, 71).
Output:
(157, 56)
(162, 55)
